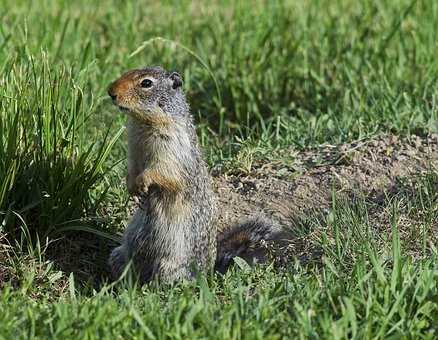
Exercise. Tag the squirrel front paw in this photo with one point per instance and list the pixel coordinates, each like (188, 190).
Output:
(142, 183)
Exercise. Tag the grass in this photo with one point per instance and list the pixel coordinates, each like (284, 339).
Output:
(365, 287)
(301, 74)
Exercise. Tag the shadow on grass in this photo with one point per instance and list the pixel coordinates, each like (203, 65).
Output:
(49, 195)
(85, 255)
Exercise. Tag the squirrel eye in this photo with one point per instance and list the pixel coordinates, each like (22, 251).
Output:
(145, 83)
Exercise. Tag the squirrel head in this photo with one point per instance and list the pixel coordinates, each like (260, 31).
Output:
(142, 92)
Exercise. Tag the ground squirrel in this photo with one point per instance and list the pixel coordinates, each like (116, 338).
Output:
(173, 233)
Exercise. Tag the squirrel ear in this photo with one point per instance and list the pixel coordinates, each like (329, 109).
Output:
(176, 80)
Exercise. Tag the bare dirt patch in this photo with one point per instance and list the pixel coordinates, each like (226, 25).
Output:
(303, 184)
(374, 168)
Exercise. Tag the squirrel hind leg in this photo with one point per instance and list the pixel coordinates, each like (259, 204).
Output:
(117, 262)
(244, 240)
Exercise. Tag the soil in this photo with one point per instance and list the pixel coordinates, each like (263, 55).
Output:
(370, 168)
(289, 191)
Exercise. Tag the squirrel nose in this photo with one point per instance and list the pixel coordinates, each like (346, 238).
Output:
(112, 94)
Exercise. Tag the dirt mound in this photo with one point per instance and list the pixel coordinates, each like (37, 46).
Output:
(371, 167)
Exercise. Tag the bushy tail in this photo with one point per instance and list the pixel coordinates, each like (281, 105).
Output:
(244, 240)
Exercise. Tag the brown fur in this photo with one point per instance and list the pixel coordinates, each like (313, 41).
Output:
(153, 177)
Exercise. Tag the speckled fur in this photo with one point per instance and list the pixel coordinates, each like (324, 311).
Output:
(173, 232)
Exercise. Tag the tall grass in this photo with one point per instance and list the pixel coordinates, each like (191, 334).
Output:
(47, 165)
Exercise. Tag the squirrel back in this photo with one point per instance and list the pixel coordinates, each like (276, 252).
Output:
(173, 233)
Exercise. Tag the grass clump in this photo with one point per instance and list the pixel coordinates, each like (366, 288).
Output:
(47, 166)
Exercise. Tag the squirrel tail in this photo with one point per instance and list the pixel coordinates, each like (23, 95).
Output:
(244, 240)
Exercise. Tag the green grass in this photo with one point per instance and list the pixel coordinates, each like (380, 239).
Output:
(397, 302)
(364, 287)
(260, 75)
